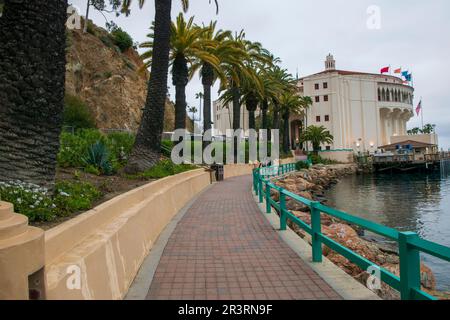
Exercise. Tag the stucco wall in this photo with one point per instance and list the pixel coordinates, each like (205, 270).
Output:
(108, 243)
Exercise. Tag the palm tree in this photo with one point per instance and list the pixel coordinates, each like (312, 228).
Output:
(291, 103)
(284, 82)
(317, 135)
(32, 76)
(147, 147)
(193, 111)
(187, 44)
(230, 56)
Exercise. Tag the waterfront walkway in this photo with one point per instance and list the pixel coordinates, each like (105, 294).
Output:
(224, 248)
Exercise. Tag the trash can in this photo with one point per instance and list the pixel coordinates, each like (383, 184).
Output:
(218, 168)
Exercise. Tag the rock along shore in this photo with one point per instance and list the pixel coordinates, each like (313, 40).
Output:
(310, 184)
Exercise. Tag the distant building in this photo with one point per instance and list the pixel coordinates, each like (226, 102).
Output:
(361, 110)
(223, 118)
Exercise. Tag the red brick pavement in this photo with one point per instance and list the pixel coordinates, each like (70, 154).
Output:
(224, 248)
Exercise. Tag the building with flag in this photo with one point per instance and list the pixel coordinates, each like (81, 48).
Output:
(361, 110)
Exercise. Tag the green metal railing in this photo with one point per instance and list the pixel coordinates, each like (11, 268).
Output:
(410, 244)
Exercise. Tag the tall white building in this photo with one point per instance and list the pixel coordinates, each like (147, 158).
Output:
(361, 110)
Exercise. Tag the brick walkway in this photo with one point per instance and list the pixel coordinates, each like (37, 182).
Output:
(224, 248)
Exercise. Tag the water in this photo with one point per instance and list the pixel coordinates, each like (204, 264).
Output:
(406, 202)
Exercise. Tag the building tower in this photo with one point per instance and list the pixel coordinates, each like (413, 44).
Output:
(330, 63)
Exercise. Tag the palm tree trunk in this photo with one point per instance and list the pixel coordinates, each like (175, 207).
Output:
(286, 143)
(236, 118)
(180, 107)
(251, 104)
(276, 117)
(264, 109)
(180, 79)
(251, 119)
(147, 148)
(236, 108)
(32, 77)
(207, 81)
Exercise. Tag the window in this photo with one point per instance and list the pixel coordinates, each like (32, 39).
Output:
(317, 118)
(325, 98)
(327, 118)
(317, 99)
(316, 86)
(325, 85)
(328, 148)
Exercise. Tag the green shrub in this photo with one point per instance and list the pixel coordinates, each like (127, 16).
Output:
(122, 39)
(300, 165)
(77, 114)
(316, 159)
(164, 169)
(74, 196)
(120, 145)
(29, 200)
(38, 204)
(97, 156)
(74, 146)
(107, 41)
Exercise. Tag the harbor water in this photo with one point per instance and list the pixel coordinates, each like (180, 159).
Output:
(406, 202)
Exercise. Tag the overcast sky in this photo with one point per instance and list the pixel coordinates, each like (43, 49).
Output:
(413, 34)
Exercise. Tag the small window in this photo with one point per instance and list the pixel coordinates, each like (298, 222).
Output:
(327, 118)
(325, 85)
(316, 86)
(317, 118)
(317, 99)
(325, 98)
(328, 148)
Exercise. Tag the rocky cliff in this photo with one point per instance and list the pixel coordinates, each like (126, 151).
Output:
(107, 80)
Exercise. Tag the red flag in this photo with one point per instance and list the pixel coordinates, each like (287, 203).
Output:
(419, 107)
(385, 70)
(398, 70)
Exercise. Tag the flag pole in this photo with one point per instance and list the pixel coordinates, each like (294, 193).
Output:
(421, 103)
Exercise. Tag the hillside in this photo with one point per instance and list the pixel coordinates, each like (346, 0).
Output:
(107, 80)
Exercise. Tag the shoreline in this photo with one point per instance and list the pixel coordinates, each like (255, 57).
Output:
(311, 184)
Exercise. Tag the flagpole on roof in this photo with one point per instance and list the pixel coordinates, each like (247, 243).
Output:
(421, 103)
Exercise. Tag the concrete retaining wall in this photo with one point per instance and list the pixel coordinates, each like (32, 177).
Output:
(104, 247)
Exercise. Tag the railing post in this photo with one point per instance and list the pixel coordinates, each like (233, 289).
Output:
(409, 265)
(260, 192)
(283, 217)
(268, 205)
(316, 226)
(257, 177)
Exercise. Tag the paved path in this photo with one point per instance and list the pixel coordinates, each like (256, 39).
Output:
(224, 248)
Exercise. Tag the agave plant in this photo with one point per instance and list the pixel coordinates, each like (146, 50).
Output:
(98, 157)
